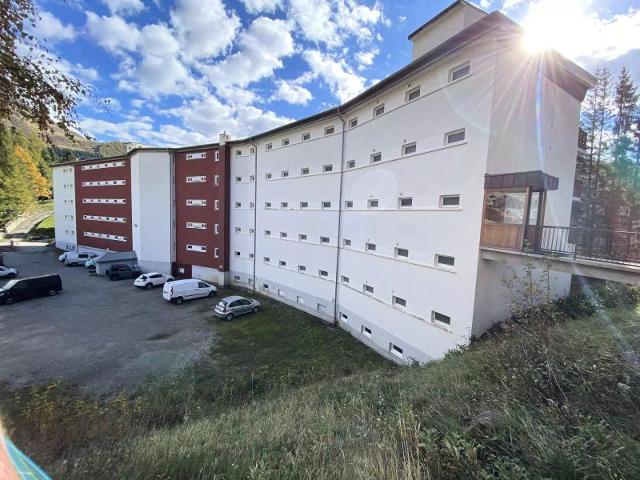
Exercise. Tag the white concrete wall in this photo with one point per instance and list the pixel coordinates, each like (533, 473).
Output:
(208, 274)
(241, 219)
(64, 199)
(152, 210)
(444, 28)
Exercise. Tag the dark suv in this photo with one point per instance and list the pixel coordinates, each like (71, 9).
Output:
(120, 271)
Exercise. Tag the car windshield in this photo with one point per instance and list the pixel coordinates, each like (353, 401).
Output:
(143, 277)
(9, 284)
(222, 304)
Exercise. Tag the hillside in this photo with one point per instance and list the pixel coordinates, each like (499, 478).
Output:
(80, 146)
(284, 398)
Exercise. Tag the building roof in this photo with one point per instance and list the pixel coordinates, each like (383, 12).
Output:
(455, 4)
(116, 257)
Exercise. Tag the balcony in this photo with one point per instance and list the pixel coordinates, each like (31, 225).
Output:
(513, 227)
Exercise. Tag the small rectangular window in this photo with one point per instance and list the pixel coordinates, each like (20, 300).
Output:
(267, 176)
(304, 204)
(376, 157)
(306, 136)
(216, 228)
(266, 259)
(265, 286)
(325, 239)
(373, 203)
(344, 317)
(346, 242)
(370, 247)
(378, 110)
(459, 72)
(285, 173)
(284, 204)
(456, 136)
(327, 168)
(300, 299)
(236, 253)
(268, 146)
(348, 204)
(302, 236)
(326, 204)
(413, 94)
(401, 302)
(252, 178)
(283, 234)
(236, 278)
(282, 263)
(353, 122)
(445, 260)
(304, 171)
(402, 252)
(216, 204)
(366, 331)
(449, 201)
(216, 180)
(216, 156)
(351, 164)
(405, 202)
(216, 252)
(238, 179)
(439, 317)
(323, 273)
(302, 268)
(238, 152)
(285, 142)
(395, 350)
(344, 279)
(409, 149)
(267, 233)
(267, 204)
(238, 205)
(329, 130)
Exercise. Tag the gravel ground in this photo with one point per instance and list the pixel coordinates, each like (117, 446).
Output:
(97, 334)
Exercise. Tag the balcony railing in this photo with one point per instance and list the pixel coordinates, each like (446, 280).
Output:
(613, 246)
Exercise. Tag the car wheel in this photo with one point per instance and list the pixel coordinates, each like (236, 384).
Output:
(149, 286)
(9, 300)
(178, 301)
(11, 275)
(255, 310)
(211, 294)
(74, 264)
(229, 317)
(52, 292)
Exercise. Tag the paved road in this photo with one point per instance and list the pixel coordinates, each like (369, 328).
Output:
(98, 334)
(26, 222)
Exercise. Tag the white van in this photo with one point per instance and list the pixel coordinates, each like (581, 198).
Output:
(180, 290)
(73, 259)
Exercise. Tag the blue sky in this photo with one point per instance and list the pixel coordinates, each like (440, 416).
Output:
(180, 72)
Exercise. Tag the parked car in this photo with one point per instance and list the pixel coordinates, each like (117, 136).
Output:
(25, 288)
(63, 257)
(235, 306)
(8, 272)
(152, 279)
(74, 259)
(90, 264)
(119, 271)
(181, 290)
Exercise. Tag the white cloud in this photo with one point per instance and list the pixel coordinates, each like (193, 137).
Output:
(126, 131)
(126, 7)
(52, 29)
(336, 74)
(365, 58)
(87, 74)
(511, 4)
(577, 30)
(259, 6)
(204, 27)
(262, 47)
(332, 21)
(290, 92)
(485, 4)
(137, 102)
(162, 75)
(157, 39)
(112, 33)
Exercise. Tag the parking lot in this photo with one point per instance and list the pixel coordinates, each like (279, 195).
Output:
(98, 334)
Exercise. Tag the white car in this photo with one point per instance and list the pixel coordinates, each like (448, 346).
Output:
(63, 257)
(74, 259)
(152, 279)
(8, 272)
(180, 290)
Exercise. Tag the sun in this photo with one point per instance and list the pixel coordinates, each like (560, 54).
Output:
(536, 41)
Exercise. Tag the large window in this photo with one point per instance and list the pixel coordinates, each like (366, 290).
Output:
(505, 207)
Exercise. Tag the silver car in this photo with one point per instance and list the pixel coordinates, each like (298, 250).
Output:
(234, 306)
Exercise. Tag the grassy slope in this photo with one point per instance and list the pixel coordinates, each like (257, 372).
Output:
(282, 397)
(44, 228)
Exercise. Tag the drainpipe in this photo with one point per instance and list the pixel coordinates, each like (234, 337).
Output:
(255, 207)
(338, 247)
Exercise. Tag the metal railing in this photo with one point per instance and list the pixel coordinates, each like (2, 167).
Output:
(613, 246)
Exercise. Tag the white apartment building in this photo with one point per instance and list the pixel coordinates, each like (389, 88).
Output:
(372, 214)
